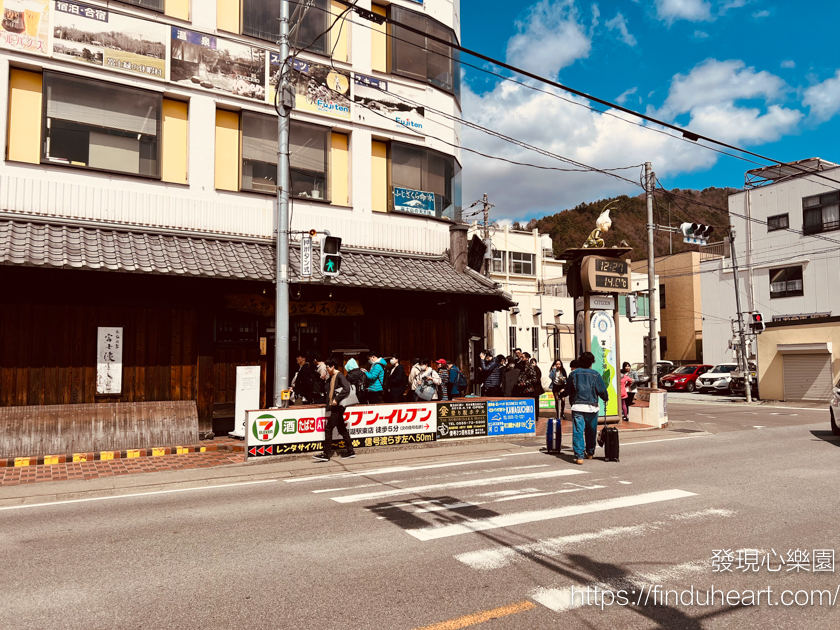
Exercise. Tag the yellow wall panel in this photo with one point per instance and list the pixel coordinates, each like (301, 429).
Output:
(175, 134)
(23, 140)
(227, 150)
(378, 43)
(379, 176)
(227, 15)
(339, 170)
(340, 31)
(177, 8)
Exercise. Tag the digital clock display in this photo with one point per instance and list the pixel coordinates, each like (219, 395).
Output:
(611, 282)
(611, 266)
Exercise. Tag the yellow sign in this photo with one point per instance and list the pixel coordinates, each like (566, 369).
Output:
(263, 345)
(285, 394)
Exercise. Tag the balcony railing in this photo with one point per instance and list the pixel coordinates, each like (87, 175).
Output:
(714, 250)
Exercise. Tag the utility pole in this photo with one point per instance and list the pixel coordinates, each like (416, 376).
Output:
(651, 367)
(743, 364)
(281, 306)
(488, 261)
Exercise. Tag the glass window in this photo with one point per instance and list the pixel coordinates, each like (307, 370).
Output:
(261, 19)
(535, 343)
(786, 282)
(423, 58)
(521, 263)
(498, 261)
(154, 5)
(511, 339)
(821, 213)
(101, 126)
(661, 296)
(308, 146)
(778, 222)
(416, 168)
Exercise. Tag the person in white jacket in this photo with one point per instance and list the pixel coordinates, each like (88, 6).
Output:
(423, 374)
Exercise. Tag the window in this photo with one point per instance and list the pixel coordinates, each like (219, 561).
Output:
(308, 146)
(90, 124)
(153, 5)
(556, 339)
(498, 261)
(535, 343)
(511, 339)
(786, 282)
(236, 329)
(423, 170)
(661, 296)
(663, 347)
(778, 222)
(422, 58)
(821, 213)
(522, 264)
(261, 19)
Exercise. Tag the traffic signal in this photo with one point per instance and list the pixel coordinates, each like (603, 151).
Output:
(696, 233)
(756, 323)
(330, 255)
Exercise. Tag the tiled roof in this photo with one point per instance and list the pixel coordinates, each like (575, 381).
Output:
(65, 246)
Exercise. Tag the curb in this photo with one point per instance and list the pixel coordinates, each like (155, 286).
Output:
(131, 453)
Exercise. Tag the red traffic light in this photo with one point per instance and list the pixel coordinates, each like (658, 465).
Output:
(757, 317)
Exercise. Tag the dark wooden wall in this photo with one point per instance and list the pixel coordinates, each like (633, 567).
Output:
(412, 337)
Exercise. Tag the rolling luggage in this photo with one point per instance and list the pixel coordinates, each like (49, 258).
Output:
(609, 440)
(553, 435)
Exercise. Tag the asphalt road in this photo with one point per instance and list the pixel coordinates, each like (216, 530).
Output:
(493, 533)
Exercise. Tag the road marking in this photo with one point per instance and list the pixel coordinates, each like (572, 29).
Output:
(481, 617)
(687, 437)
(533, 516)
(136, 494)
(383, 471)
(545, 494)
(527, 453)
(531, 466)
(445, 506)
(487, 481)
(758, 426)
(507, 493)
(498, 557)
(364, 485)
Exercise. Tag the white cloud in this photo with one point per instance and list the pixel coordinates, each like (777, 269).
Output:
(700, 35)
(824, 98)
(549, 39)
(619, 23)
(761, 14)
(692, 10)
(713, 82)
(788, 63)
(622, 98)
(733, 4)
(744, 125)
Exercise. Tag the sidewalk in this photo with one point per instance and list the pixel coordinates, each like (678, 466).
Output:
(701, 399)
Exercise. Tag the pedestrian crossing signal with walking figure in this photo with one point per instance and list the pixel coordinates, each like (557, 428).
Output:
(330, 255)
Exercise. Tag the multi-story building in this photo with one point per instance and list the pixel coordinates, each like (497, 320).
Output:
(542, 322)
(787, 231)
(140, 138)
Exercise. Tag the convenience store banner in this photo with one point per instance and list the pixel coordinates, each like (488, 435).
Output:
(301, 429)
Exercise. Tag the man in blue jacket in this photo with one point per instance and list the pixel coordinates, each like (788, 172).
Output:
(588, 388)
(375, 379)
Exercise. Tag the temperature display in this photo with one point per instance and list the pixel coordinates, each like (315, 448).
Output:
(611, 282)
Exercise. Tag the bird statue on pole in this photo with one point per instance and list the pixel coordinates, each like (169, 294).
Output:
(602, 224)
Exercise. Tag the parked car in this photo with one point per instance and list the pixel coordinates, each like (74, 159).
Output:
(738, 388)
(662, 368)
(719, 378)
(683, 378)
(834, 408)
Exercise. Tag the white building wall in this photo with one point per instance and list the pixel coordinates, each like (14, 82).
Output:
(55, 191)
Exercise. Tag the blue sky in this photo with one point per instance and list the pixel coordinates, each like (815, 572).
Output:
(760, 74)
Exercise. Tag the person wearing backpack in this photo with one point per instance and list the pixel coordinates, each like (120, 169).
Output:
(397, 381)
(338, 392)
(356, 376)
(425, 385)
(457, 382)
(375, 379)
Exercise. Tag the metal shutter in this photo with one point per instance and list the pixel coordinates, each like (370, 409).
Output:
(807, 376)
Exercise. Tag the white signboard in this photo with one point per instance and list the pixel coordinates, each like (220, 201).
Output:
(296, 430)
(602, 302)
(247, 396)
(109, 348)
(306, 256)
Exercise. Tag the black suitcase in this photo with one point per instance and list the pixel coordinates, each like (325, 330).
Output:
(609, 440)
(553, 436)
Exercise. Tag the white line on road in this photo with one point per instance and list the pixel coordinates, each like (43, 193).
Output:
(687, 437)
(517, 454)
(488, 481)
(545, 494)
(383, 471)
(532, 516)
(136, 494)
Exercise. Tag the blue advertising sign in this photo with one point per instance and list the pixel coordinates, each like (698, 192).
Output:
(414, 201)
(508, 417)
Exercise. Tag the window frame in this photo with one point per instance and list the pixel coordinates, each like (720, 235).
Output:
(662, 295)
(425, 185)
(500, 259)
(535, 343)
(787, 292)
(512, 261)
(773, 227)
(822, 201)
(45, 161)
(137, 5)
(511, 339)
(325, 12)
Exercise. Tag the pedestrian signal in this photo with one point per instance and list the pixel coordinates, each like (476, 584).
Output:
(696, 233)
(330, 255)
(757, 323)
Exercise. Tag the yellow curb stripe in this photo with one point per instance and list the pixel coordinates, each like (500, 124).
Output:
(182, 450)
(106, 455)
(203, 449)
(49, 460)
(481, 617)
(132, 453)
(21, 461)
(79, 457)
(158, 451)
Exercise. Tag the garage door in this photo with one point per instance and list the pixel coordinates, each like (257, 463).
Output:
(808, 376)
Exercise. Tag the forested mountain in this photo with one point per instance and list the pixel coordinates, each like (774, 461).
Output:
(570, 228)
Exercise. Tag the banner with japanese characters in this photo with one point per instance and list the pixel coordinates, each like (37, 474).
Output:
(414, 201)
(25, 26)
(462, 418)
(112, 41)
(318, 89)
(388, 104)
(213, 63)
(301, 430)
(109, 359)
(507, 417)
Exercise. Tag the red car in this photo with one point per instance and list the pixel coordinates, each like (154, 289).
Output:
(683, 378)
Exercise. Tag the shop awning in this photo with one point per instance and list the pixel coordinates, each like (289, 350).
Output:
(135, 250)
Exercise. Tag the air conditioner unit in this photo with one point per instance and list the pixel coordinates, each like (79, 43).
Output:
(514, 310)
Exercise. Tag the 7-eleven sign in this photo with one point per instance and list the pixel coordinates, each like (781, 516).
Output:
(266, 428)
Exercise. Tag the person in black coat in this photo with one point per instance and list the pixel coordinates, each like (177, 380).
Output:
(338, 388)
(510, 377)
(396, 382)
